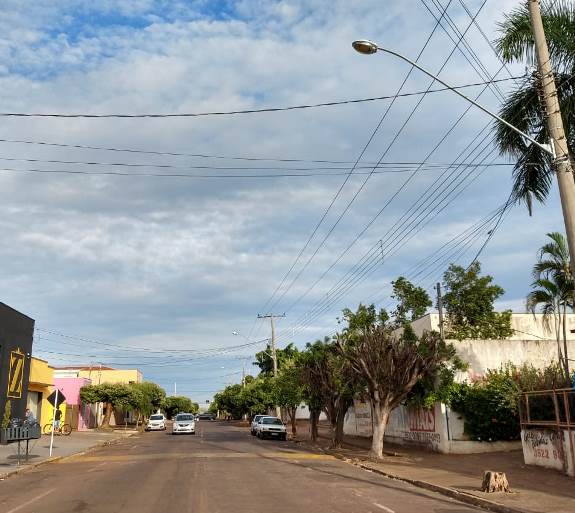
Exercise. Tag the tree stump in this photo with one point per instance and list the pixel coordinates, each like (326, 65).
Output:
(494, 482)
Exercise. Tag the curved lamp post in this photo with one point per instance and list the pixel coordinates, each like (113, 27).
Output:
(367, 47)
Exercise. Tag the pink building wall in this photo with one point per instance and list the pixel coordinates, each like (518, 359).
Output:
(70, 387)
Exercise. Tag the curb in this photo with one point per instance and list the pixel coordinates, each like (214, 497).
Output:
(463, 497)
(53, 459)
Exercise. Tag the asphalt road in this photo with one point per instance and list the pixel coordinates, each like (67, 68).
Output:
(220, 469)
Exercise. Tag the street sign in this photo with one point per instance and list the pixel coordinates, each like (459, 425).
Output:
(52, 398)
(16, 374)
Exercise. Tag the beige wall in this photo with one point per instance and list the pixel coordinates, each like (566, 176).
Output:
(526, 326)
(111, 376)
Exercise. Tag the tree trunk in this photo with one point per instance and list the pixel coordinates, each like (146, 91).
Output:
(108, 416)
(314, 414)
(558, 334)
(292, 412)
(379, 416)
(565, 353)
(339, 428)
(494, 482)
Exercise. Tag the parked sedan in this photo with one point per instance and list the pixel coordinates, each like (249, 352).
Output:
(271, 427)
(254, 425)
(184, 423)
(156, 422)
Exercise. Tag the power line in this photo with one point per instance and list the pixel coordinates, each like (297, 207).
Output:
(197, 176)
(238, 112)
(340, 189)
(388, 148)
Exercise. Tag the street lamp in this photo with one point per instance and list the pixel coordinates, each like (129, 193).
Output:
(367, 47)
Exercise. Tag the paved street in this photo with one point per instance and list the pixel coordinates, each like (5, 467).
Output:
(220, 469)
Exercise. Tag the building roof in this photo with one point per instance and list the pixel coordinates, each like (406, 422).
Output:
(82, 367)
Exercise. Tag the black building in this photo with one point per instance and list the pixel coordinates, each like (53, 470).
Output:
(16, 335)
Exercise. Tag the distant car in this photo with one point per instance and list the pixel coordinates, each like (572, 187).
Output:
(255, 423)
(184, 423)
(206, 416)
(156, 422)
(271, 427)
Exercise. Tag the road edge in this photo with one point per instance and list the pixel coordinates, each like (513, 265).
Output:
(453, 493)
(53, 459)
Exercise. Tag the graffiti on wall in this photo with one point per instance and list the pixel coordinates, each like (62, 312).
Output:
(421, 419)
(544, 444)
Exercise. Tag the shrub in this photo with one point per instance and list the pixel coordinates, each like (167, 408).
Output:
(491, 405)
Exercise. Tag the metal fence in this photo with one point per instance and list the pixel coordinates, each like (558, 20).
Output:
(552, 410)
(548, 409)
(19, 433)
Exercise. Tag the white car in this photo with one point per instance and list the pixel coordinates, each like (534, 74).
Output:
(271, 427)
(254, 425)
(184, 423)
(156, 422)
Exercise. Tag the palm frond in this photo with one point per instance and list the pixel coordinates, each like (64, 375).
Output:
(516, 42)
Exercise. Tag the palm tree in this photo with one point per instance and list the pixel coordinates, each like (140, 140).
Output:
(533, 171)
(549, 297)
(553, 284)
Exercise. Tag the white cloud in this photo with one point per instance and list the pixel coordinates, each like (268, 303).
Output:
(176, 262)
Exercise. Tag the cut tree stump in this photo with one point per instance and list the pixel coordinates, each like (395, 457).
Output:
(494, 482)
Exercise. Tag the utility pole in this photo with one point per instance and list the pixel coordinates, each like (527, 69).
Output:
(271, 317)
(440, 309)
(552, 111)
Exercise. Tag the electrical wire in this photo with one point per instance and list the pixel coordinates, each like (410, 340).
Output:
(388, 148)
(237, 112)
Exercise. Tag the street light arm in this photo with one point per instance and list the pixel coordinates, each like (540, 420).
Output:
(544, 147)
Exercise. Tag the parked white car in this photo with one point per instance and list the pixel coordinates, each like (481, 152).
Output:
(255, 423)
(156, 422)
(271, 427)
(184, 423)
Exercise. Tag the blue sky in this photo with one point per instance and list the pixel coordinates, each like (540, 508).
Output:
(163, 270)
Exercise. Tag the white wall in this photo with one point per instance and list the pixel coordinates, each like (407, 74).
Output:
(550, 449)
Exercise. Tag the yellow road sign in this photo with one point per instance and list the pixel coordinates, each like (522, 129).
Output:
(16, 374)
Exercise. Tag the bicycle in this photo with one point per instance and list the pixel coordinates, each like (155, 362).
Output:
(63, 429)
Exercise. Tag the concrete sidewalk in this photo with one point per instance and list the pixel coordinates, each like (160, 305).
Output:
(535, 490)
(78, 441)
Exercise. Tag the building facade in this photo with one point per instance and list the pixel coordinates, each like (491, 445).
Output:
(40, 386)
(16, 336)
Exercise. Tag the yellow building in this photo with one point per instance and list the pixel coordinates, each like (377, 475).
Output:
(40, 386)
(108, 375)
(98, 374)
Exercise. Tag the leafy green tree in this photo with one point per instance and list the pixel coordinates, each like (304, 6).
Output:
(152, 398)
(553, 290)
(288, 390)
(469, 307)
(231, 401)
(329, 383)
(412, 301)
(113, 395)
(264, 358)
(257, 396)
(174, 404)
(533, 172)
(388, 366)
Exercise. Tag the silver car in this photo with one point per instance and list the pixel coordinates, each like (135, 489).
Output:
(156, 422)
(271, 427)
(184, 423)
(255, 424)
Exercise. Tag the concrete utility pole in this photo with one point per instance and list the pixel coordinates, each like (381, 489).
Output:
(440, 309)
(271, 317)
(561, 161)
